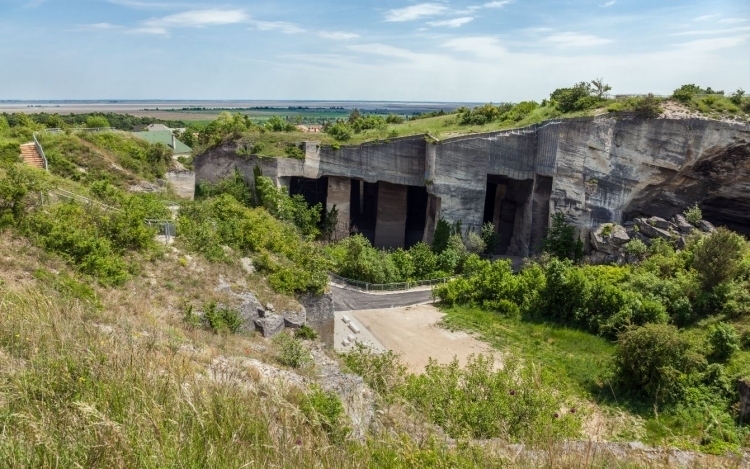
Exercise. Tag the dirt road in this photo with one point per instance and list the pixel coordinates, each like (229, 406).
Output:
(413, 332)
(352, 300)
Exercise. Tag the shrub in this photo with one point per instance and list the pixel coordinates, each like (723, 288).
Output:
(636, 248)
(737, 96)
(292, 209)
(306, 333)
(97, 122)
(490, 237)
(440, 238)
(340, 131)
(648, 107)
(717, 257)
(694, 215)
(324, 409)
(654, 361)
(233, 185)
(383, 372)
(277, 124)
(475, 244)
(394, 119)
(221, 319)
(291, 352)
(515, 404)
(424, 260)
(724, 341)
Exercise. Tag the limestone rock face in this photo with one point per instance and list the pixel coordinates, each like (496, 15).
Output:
(319, 314)
(270, 324)
(682, 224)
(652, 231)
(609, 243)
(294, 319)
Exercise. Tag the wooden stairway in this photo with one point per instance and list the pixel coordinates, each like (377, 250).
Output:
(31, 155)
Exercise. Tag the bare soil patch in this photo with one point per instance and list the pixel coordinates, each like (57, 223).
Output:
(415, 332)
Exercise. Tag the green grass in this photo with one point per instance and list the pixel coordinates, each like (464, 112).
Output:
(581, 359)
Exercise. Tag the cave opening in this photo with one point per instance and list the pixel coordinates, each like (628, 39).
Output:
(363, 203)
(315, 191)
(505, 207)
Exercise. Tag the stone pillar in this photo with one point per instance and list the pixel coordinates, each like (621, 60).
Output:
(431, 218)
(390, 228)
(339, 194)
(319, 315)
(500, 191)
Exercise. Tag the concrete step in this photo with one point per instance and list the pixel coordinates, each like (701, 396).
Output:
(31, 155)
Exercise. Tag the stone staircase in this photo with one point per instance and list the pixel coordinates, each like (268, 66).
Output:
(31, 155)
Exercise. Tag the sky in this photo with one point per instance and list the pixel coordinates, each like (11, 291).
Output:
(396, 50)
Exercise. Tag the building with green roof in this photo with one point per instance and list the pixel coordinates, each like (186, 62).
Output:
(167, 138)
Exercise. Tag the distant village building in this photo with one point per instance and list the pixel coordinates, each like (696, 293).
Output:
(312, 129)
(167, 138)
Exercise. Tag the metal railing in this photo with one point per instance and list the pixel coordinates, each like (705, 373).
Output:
(166, 228)
(40, 151)
(84, 200)
(400, 286)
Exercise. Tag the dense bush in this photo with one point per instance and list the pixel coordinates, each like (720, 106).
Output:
(221, 319)
(724, 341)
(657, 361)
(340, 131)
(277, 124)
(515, 403)
(291, 352)
(717, 257)
(233, 185)
(293, 209)
(579, 97)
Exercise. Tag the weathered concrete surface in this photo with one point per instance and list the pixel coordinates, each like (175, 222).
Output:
(594, 170)
(390, 230)
(339, 193)
(319, 315)
(183, 183)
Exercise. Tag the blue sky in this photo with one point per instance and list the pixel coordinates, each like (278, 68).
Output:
(456, 50)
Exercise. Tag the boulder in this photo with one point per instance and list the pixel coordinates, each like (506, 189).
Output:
(707, 226)
(249, 310)
(616, 236)
(646, 240)
(270, 325)
(683, 226)
(294, 319)
(652, 231)
(658, 222)
(744, 391)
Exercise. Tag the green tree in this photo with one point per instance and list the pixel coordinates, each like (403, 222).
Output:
(97, 122)
(277, 124)
(490, 237)
(340, 131)
(724, 341)
(600, 88)
(562, 241)
(717, 257)
(737, 96)
(440, 238)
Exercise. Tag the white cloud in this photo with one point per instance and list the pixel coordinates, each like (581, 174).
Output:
(282, 26)
(415, 12)
(497, 4)
(609, 3)
(190, 19)
(571, 39)
(148, 5)
(98, 27)
(732, 20)
(480, 46)
(452, 23)
(706, 17)
(337, 35)
(711, 32)
(713, 44)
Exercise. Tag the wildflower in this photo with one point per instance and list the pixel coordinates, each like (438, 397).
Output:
(512, 392)
(298, 442)
(573, 410)
(557, 416)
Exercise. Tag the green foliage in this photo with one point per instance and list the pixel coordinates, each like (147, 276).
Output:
(479, 115)
(340, 131)
(515, 403)
(394, 119)
(233, 185)
(294, 151)
(440, 238)
(142, 158)
(425, 261)
(656, 360)
(383, 372)
(292, 209)
(736, 97)
(724, 341)
(291, 352)
(19, 189)
(561, 241)
(490, 237)
(363, 123)
(324, 409)
(636, 248)
(225, 126)
(685, 93)
(694, 215)
(717, 257)
(221, 319)
(292, 264)
(305, 333)
(97, 122)
(648, 107)
(579, 97)
(277, 124)
(76, 234)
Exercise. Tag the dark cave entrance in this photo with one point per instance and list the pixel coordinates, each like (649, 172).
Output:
(505, 207)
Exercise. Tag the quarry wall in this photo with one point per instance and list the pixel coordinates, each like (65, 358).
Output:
(594, 170)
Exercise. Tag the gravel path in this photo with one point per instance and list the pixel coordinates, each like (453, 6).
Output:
(352, 300)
